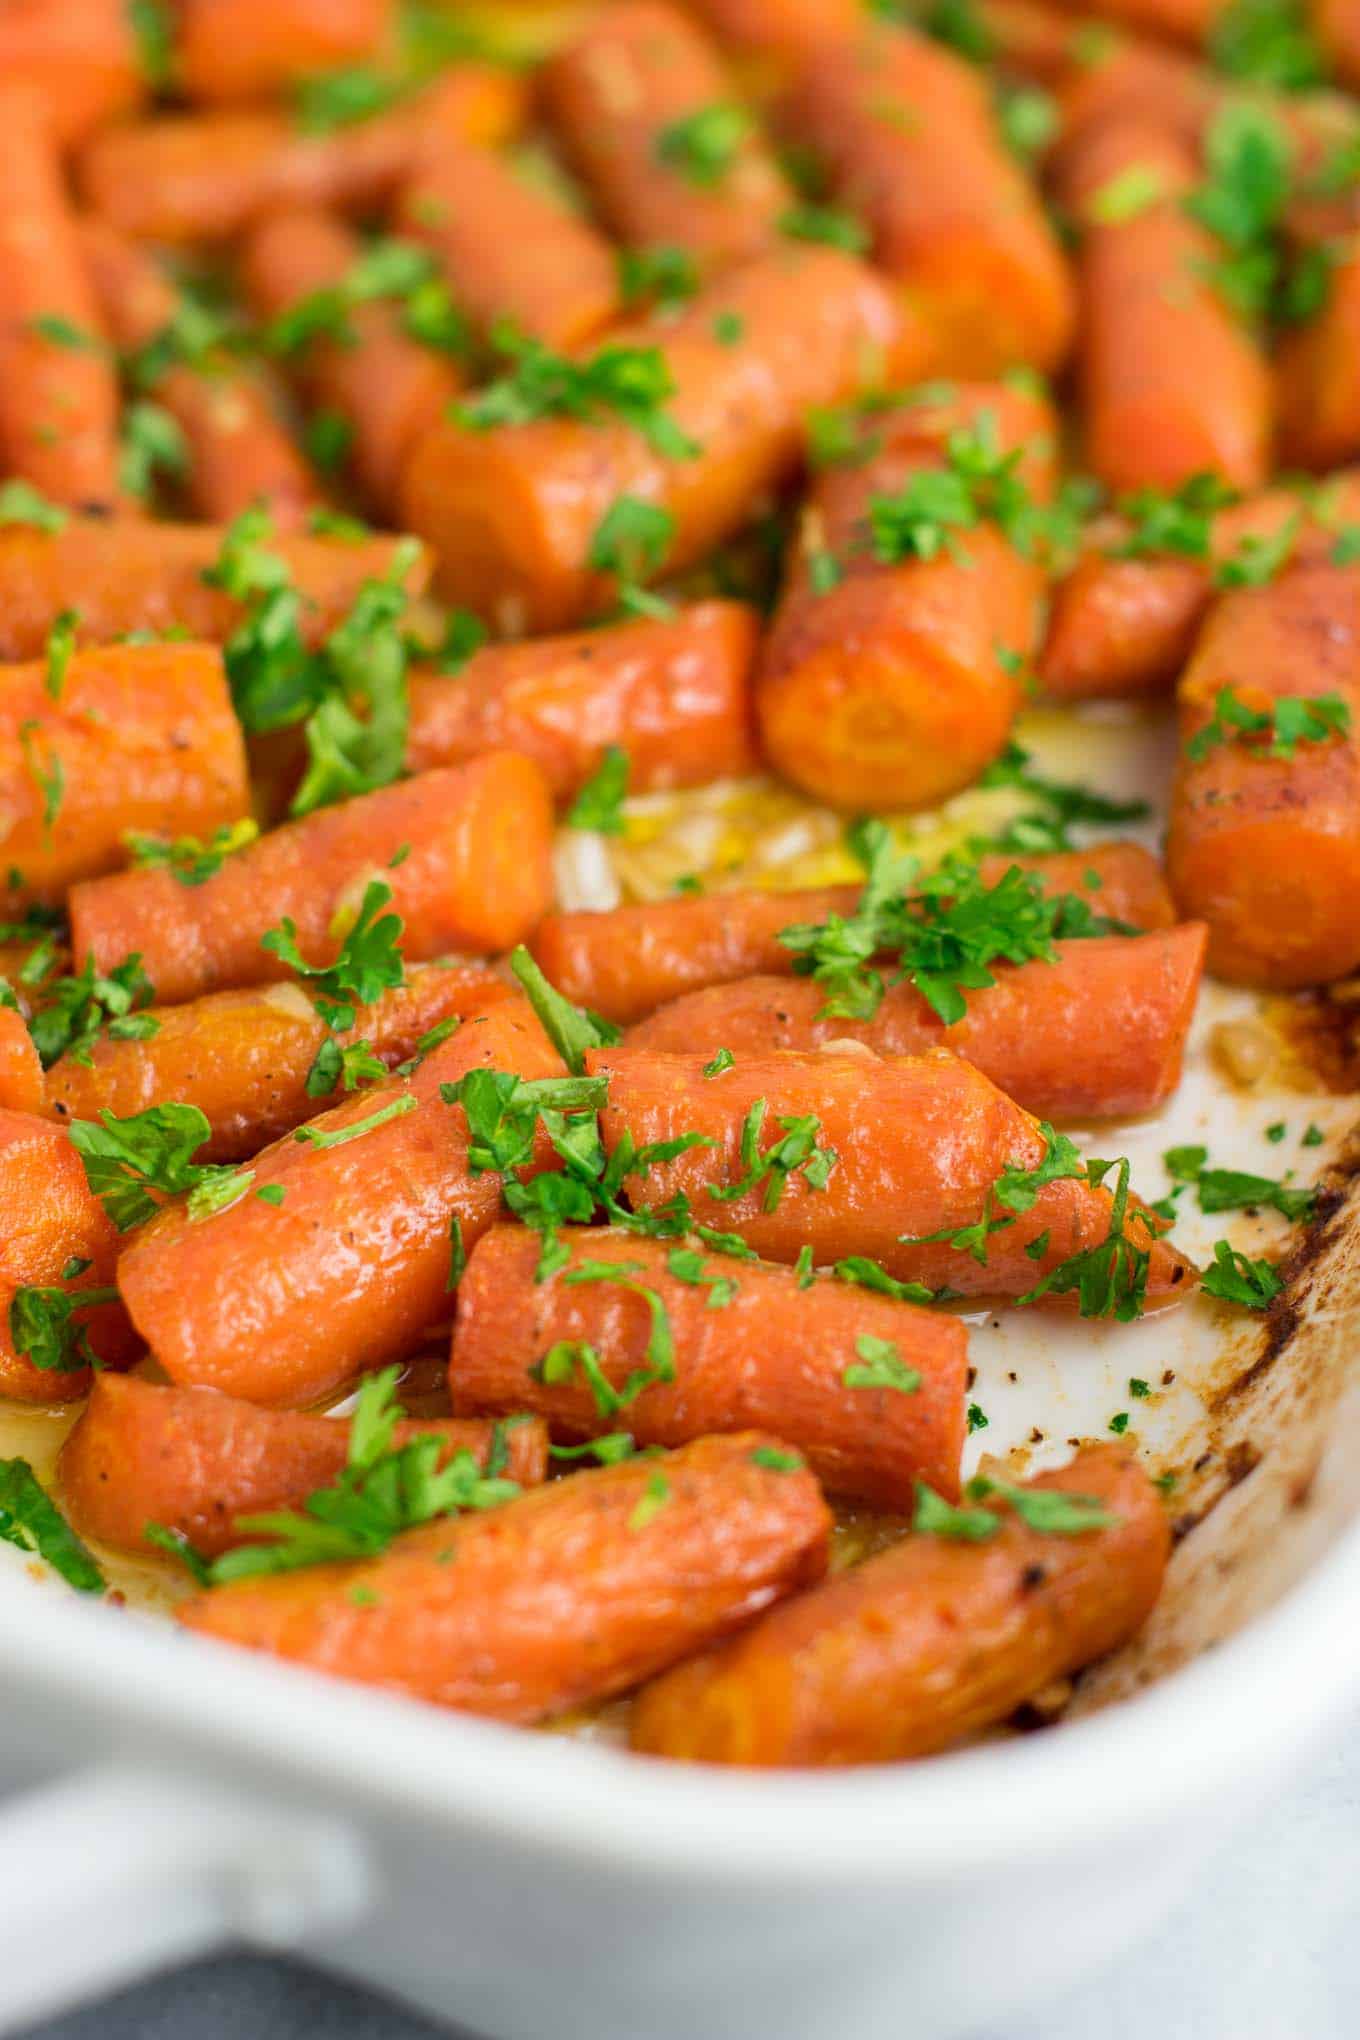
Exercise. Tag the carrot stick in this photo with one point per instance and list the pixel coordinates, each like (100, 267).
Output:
(906, 132)
(140, 737)
(466, 852)
(228, 51)
(514, 511)
(79, 56)
(21, 1076)
(889, 680)
(628, 961)
(49, 1224)
(673, 692)
(386, 386)
(919, 1142)
(510, 250)
(648, 117)
(1267, 849)
(244, 1302)
(926, 1643)
(245, 1058)
(1172, 385)
(58, 394)
(192, 1461)
(134, 576)
(1098, 1034)
(1317, 375)
(571, 1594)
(239, 452)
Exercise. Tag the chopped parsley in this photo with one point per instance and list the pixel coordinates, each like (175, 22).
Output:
(349, 1066)
(631, 542)
(663, 275)
(151, 443)
(831, 225)
(126, 1159)
(630, 383)
(1129, 193)
(1177, 521)
(337, 99)
(369, 962)
(21, 503)
(1061, 807)
(796, 1152)
(1236, 1189)
(1236, 1278)
(571, 1029)
(30, 1519)
(1267, 42)
(1109, 1279)
(48, 774)
(599, 804)
(654, 1498)
(61, 643)
(1276, 731)
(190, 860)
(393, 271)
(880, 1365)
(42, 1330)
(1051, 1512)
(340, 1136)
(705, 145)
(77, 1011)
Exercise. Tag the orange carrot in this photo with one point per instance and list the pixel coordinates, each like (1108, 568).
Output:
(79, 56)
(515, 512)
(919, 1143)
(231, 50)
(634, 95)
(889, 679)
(1336, 25)
(1317, 374)
(53, 1235)
(281, 1302)
(58, 395)
(1267, 849)
(134, 576)
(780, 28)
(571, 1594)
(673, 692)
(384, 384)
(138, 737)
(628, 961)
(21, 1076)
(191, 1461)
(928, 1642)
(246, 1058)
(754, 1347)
(466, 853)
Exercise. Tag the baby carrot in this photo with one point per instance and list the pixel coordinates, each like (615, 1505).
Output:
(935, 1639)
(128, 737)
(571, 1594)
(21, 1074)
(466, 853)
(191, 1461)
(232, 50)
(280, 1301)
(1317, 375)
(79, 56)
(672, 691)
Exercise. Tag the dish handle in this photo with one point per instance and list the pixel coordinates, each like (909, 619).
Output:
(125, 1869)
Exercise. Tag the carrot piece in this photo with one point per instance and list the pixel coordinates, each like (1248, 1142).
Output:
(135, 576)
(780, 28)
(50, 1223)
(895, 685)
(919, 1142)
(510, 250)
(58, 394)
(79, 56)
(244, 1057)
(466, 852)
(21, 1073)
(1172, 385)
(513, 512)
(673, 692)
(386, 386)
(628, 961)
(183, 178)
(1317, 376)
(1336, 25)
(1098, 1034)
(571, 1594)
(192, 1461)
(1267, 850)
(628, 95)
(246, 1302)
(906, 131)
(140, 737)
(239, 452)
(777, 1353)
(228, 51)
(928, 1642)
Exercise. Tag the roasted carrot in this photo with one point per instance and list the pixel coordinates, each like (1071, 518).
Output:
(466, 853)
(1098, 1034)
(372, 373)
(573, 1593)
(58, 394)
(191, 1461)
(53, 1236)
(889, 679)
(930, 1641)
(21, 1075)
(673, 692)
(1266, 848)
(1317, 374)
(906, 132)
(281, 1302)
(227, 52)
(238, 450)
(246, 1058)
(137, 737)
(79, 56)
(131, 575)
(648, 118)
(515, 512)
(628, 961)
(919, 1142)
(1172, 384)
(182, 178)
